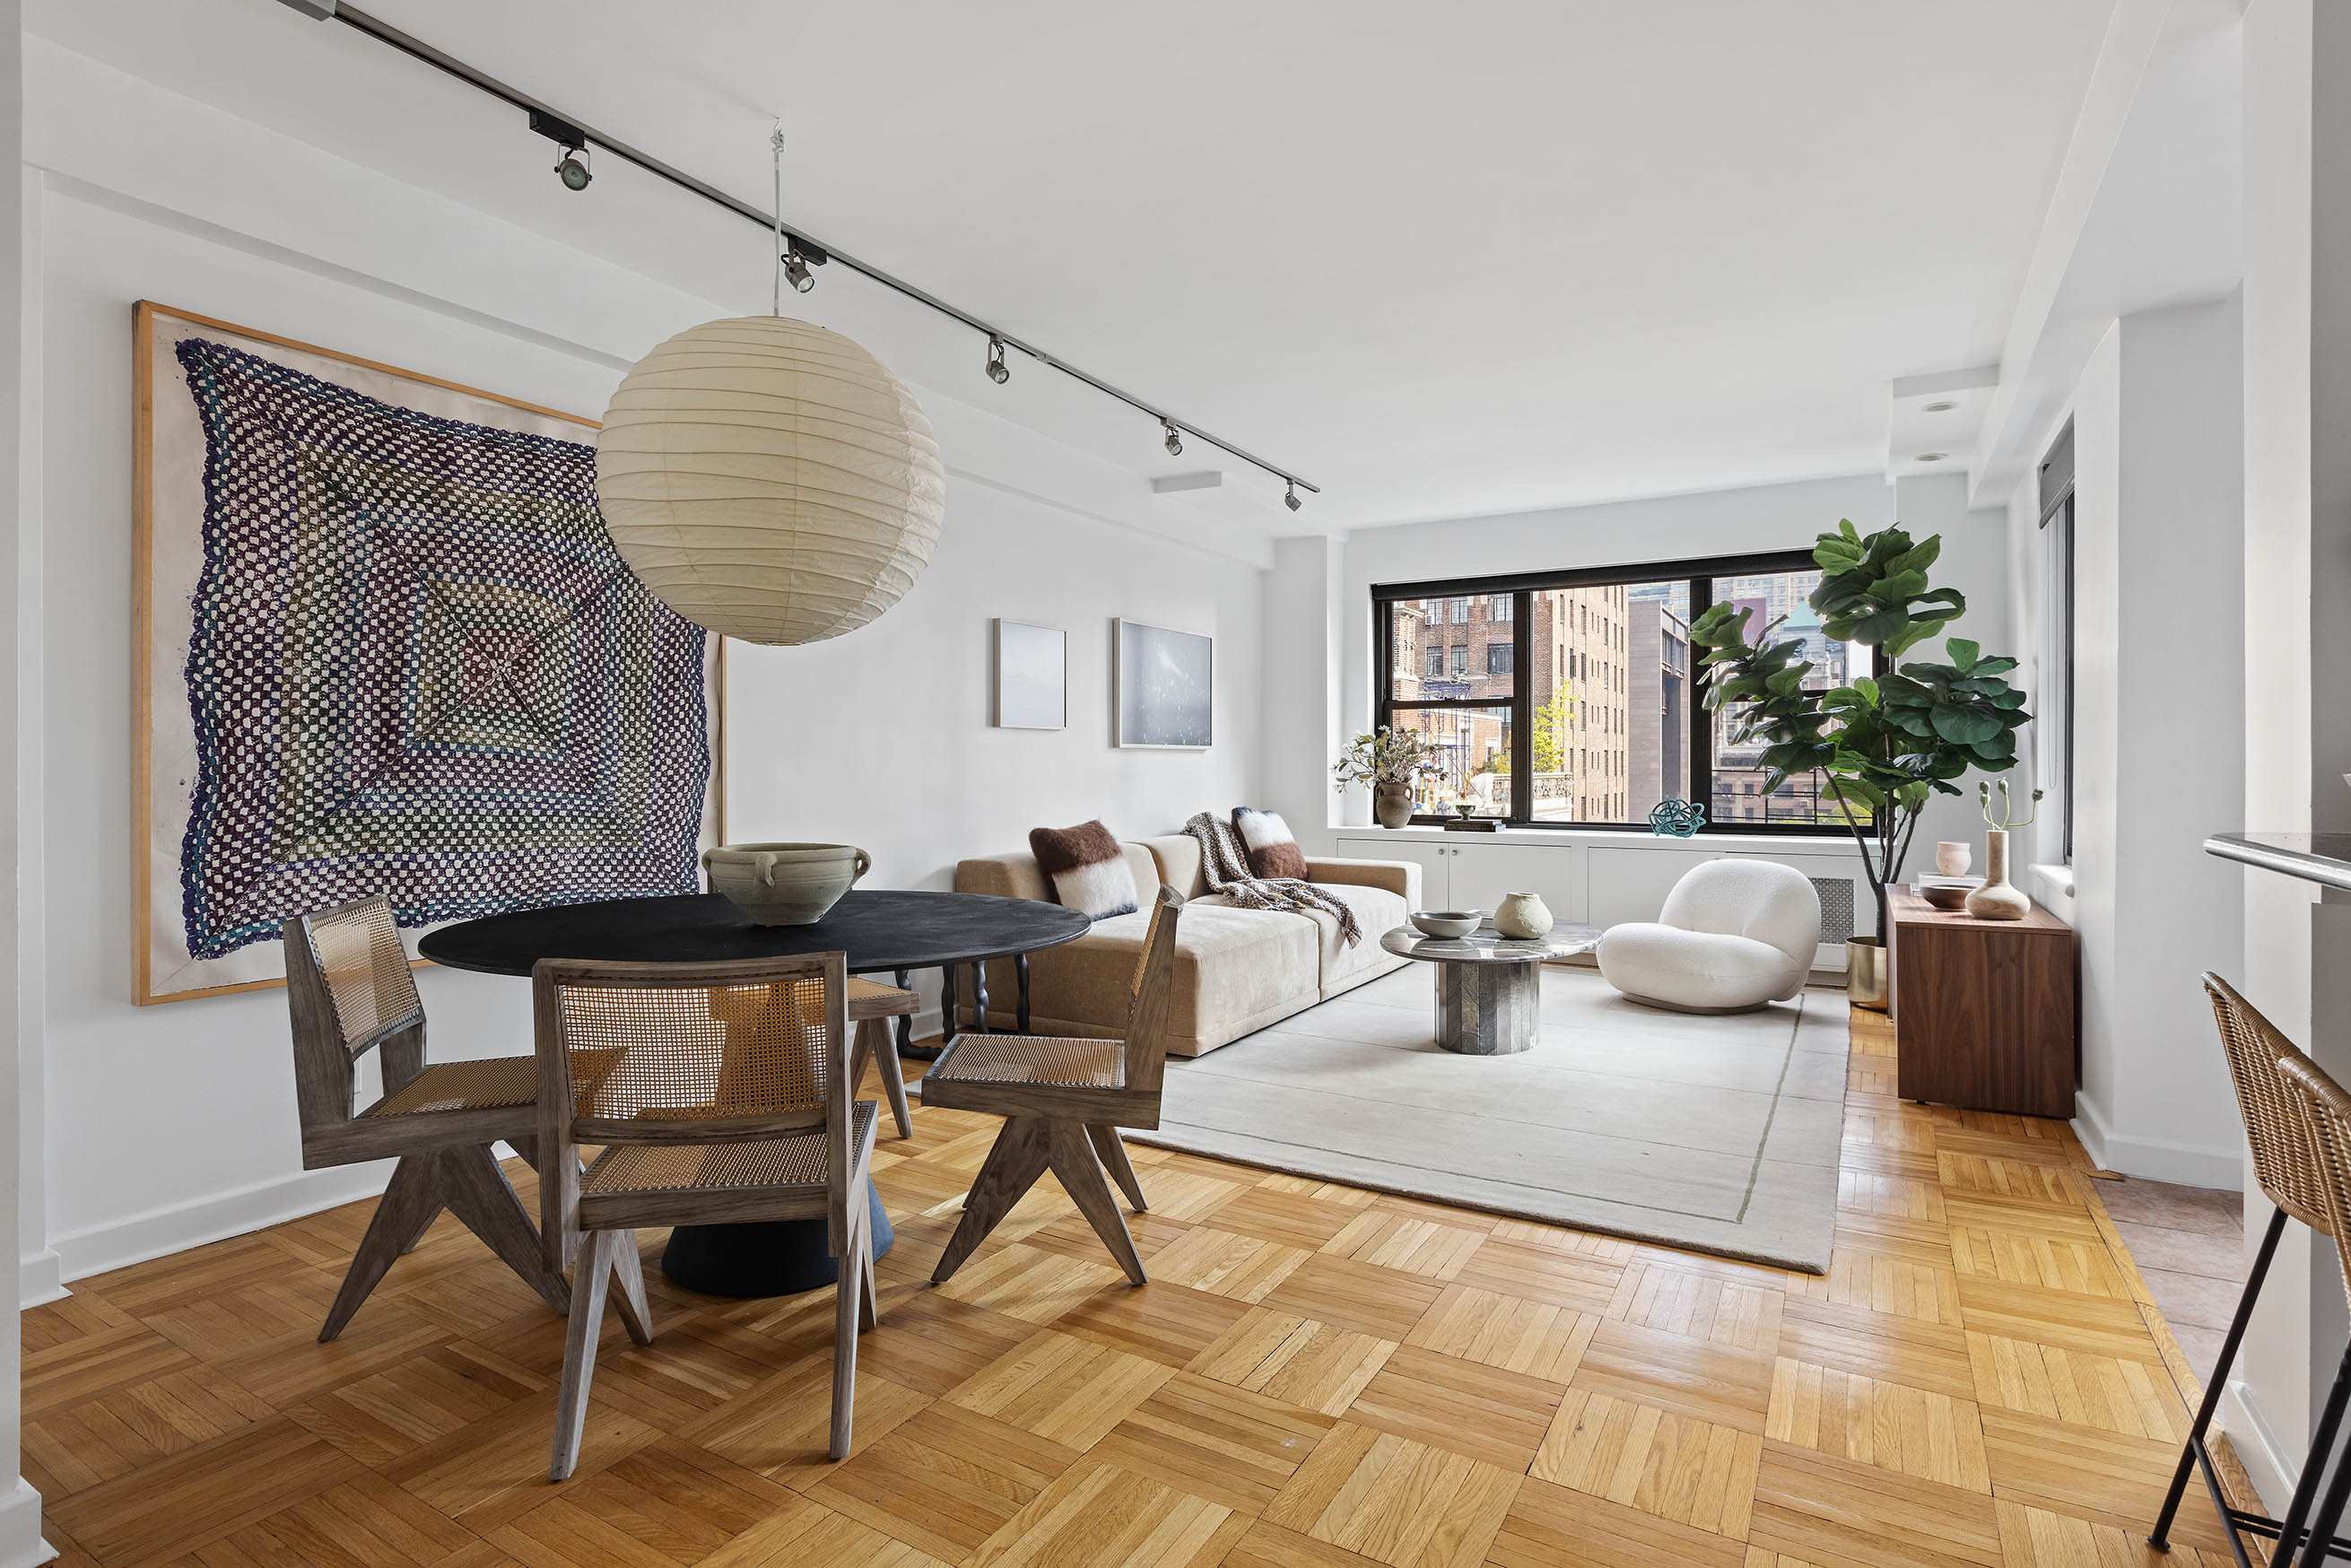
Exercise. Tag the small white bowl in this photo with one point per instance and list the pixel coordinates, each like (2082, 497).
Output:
(1453, 922)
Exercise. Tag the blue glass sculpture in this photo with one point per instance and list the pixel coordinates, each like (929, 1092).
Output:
(1677, 819)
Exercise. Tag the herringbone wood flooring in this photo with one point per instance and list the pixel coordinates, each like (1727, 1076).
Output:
(1317, 1376)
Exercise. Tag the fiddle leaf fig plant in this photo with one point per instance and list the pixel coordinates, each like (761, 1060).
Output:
(1883, 744)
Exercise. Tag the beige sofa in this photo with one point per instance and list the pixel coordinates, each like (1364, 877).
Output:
(1237, 970)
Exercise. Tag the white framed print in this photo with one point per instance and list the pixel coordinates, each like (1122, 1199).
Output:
(1031, 677)
(1163, 687)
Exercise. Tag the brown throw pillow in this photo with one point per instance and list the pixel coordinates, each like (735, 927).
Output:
(1086, 869)
(1271, 848)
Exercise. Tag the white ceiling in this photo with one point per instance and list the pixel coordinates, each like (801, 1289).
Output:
(1442, 260)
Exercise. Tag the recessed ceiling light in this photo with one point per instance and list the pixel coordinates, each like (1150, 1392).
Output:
(1932, 457)
(1943, 407)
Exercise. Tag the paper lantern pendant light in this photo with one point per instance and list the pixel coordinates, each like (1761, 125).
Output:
(769, 480)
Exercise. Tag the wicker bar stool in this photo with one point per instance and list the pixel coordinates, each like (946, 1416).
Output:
(349, 992)
(1063, 1101)
(720, 1094)
(2326, 1113)
(871, 1007)
(2273, 1081)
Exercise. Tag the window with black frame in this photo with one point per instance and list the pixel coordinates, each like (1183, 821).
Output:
(1572, 699)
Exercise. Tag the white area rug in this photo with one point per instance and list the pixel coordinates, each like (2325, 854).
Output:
(1714, 1132)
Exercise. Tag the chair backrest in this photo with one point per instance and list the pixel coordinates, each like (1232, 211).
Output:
(1739, 895)
(2325, 1112)
(348, 991)
(2285, 1162)
(685, 1053)
(1154, 985)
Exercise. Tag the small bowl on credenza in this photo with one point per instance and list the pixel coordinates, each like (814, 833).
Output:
(1948, 892)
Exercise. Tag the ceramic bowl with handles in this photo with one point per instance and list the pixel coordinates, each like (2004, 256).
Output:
(784, 884)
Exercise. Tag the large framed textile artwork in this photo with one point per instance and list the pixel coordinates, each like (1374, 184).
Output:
(385, 645)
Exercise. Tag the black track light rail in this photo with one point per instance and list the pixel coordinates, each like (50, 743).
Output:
(384, 33)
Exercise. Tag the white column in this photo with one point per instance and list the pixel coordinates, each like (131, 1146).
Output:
(20, 1506)
(1302, 660)
(2296, 965)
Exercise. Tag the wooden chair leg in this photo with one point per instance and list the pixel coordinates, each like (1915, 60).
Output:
(871, 1316)
(1013, 1166)
(848, 1290)
(893, 1080)
(1072, 1154)
(410, 1202)
(1113, 1150)
(479, 1194)
(629, 1289)
(595, 1268)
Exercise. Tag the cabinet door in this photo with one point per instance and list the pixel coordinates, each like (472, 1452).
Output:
(1434, 861)
(1483, 873)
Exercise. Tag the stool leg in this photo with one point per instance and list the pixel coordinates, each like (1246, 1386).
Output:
(2212, 1389)
(2322, 1444)
(2330, 1513)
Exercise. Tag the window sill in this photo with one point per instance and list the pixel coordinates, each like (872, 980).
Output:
(2051, 882)
(1626, 839)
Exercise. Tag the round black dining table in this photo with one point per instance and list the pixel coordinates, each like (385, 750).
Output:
(882, 929)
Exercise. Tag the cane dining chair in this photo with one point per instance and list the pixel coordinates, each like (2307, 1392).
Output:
(871, 1007)
(2325, 1111)
(720, 1094)
(1064, 1101)
(349, 992)
(2286, 1101)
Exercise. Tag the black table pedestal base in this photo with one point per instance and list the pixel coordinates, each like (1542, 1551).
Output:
(778, 1258)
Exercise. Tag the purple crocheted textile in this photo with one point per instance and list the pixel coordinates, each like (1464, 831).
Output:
(420, 668)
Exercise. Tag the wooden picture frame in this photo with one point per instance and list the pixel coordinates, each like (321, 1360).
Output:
(149, 988)
(1020, 698)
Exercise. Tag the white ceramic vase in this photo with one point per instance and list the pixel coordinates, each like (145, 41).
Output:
(1951, 859)
(1522, 916)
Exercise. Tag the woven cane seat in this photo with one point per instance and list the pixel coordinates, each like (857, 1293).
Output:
(798, 1160)
(2285, 1162)
(1032, 1059)
(500, 1082)
(872, 999)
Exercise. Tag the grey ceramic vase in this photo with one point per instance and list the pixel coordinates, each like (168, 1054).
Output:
(785, 885)
(1392, 803)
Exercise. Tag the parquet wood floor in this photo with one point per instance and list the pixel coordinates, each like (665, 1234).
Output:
(1317, 1376)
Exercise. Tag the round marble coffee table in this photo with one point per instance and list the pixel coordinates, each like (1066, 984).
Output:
(1488, 985)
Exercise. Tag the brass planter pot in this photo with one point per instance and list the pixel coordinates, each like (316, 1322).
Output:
(1868, 974)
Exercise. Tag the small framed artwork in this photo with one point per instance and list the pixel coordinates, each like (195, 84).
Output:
(1163, 687)
(1031, 677)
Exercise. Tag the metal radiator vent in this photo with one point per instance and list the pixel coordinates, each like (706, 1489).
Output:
(1837, 907)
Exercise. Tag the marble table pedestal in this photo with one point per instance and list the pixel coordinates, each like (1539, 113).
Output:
(1489, 987)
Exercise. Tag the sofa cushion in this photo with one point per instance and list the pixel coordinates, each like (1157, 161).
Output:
(1015, 875)
(1180, 867)
(1336, 965)
(1087, 868)
(1272, 848)
(1230, 964)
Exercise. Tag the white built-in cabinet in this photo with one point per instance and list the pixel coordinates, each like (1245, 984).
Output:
(1597, 879)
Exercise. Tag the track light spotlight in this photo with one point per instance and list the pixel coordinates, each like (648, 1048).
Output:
(572, 169)
(1290, 497)
(1175, 438)
(997, 370)
(796, 271)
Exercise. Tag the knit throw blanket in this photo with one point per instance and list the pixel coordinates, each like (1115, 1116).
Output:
(1226, 867)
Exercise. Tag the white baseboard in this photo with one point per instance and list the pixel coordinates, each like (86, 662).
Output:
(40, 1279)
(2269, 1464)
(178, 1227)
(2154, 1158)
(21, 1545)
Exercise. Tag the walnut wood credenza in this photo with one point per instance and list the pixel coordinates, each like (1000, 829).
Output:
(1984, 1009)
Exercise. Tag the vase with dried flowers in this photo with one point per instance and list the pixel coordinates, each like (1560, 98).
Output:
(1390, 761)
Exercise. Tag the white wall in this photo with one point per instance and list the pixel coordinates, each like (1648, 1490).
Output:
(165, 1126)
(2158, 678)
